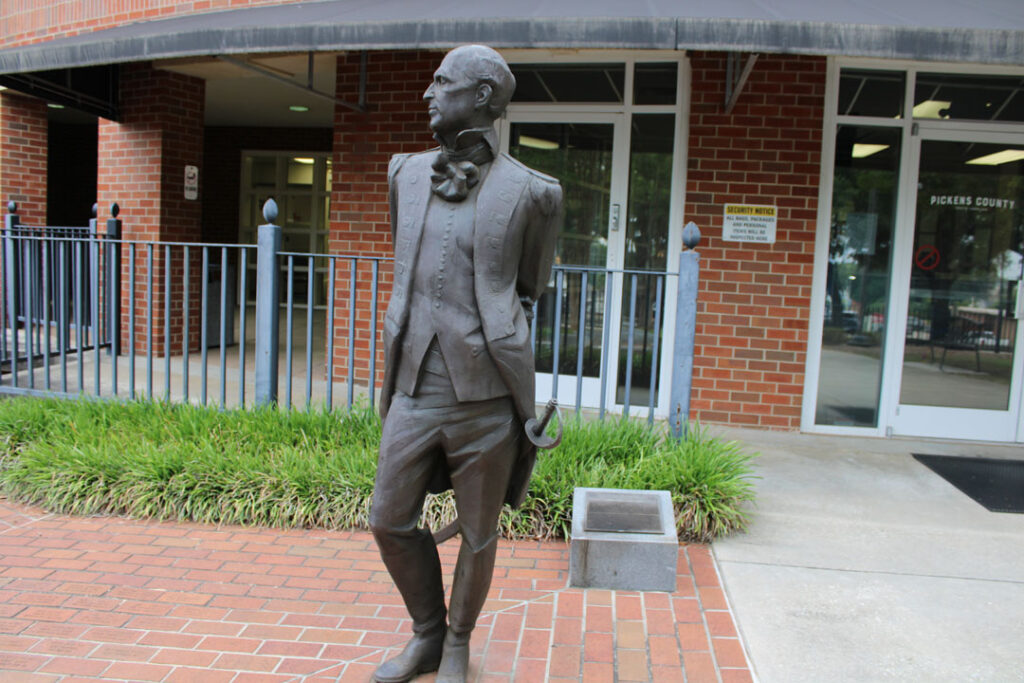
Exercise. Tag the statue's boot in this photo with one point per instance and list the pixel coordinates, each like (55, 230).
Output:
(455, 661)
(412, 560)
(422, 654)
(472, 580)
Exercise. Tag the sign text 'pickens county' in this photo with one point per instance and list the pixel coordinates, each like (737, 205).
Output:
(749, 223)
(975, 202)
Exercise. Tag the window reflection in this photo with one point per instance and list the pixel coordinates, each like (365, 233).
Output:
(580, 156)
(871, 93)
(968, 96)
(857, 282)
(966, 269)
(650, 189)
(569, 82)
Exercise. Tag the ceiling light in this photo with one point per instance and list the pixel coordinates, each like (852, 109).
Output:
(2, 88)
(298, 107)
(932, 109)
(537, 143)
(303, 160)
(51, 105)
(997, 158)
(861, 150)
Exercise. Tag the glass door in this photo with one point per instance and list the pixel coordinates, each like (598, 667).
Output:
(300, 183)
(961, 370)
(586, 152)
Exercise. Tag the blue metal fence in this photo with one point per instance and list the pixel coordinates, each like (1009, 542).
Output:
(84, 311)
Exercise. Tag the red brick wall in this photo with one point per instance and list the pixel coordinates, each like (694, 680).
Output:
(23, 149)
(363, 144)
(30, 21)
(142, 167)
(754, 301)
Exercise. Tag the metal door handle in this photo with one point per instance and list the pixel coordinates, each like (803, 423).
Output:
(616, 210)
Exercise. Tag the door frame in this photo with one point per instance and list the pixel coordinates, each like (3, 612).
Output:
(943, 422)
(617, 194)
(906, 199)
(541, 112)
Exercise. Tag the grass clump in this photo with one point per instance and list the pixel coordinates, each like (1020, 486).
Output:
(316, 469)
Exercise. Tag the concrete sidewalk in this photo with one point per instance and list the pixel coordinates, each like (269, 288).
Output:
(863, 565)
(100, 598)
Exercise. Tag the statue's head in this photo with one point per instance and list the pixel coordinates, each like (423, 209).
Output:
(470, 89)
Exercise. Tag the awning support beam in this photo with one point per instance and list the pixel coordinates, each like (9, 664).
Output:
(736, 79)
(360, 106)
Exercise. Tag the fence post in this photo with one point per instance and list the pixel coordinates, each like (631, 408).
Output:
(114, 281)
(268, 244)
(11, 221)
(686, 320)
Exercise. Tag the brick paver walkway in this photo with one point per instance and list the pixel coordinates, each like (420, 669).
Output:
(114, 599)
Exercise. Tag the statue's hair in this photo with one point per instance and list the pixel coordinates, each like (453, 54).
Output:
(485, 65)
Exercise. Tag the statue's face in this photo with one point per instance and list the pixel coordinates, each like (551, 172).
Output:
(453, 97)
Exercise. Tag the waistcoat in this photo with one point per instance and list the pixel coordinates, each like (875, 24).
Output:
(443, 305)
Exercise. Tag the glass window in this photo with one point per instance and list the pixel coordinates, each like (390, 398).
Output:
(959, 348)
(871, 93)
(655, 83)
(264, 171)
(580, 156)
(652, 139)
(968, 96)
(300, 172)
(569, 82)
(857, 281)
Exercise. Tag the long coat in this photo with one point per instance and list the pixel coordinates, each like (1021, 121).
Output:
(518, 213)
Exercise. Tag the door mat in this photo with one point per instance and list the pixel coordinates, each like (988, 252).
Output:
(996, 484)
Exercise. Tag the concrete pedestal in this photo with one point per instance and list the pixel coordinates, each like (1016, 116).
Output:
(623, 540)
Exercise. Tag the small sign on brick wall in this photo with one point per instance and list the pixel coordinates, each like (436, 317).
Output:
(749, 223)
(191, 182)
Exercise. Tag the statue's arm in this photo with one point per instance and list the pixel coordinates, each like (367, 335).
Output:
(397, 161)
(539, 239)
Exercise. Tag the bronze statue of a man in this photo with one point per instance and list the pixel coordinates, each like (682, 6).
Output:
(474, 236)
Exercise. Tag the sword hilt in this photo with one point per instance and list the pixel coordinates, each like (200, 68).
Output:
(535, 428)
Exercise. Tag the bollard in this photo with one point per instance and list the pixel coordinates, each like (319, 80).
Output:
(114, 284)
(686, 321)
(268, 244)
(11, 221)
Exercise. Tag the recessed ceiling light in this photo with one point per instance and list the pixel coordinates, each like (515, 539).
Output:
(51, 105)
(303, 160)
(932, 109)
(298, 107)
(537, 143)
(997, 158)
(861, 150)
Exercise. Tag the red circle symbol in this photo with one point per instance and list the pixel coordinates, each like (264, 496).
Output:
(926, 257)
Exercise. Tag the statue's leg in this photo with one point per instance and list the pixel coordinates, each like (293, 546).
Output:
(480, 454)
(408, 456)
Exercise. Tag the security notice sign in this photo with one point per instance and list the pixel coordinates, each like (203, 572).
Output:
(749, 223)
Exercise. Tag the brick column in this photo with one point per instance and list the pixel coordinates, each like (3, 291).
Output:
(23, 146)
(142, 163)
(754, 300)
(363, 144)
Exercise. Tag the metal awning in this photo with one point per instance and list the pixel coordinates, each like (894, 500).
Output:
(976, 31)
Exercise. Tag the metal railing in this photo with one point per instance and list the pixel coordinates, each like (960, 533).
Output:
(87, 312)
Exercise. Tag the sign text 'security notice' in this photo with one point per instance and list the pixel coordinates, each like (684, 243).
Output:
(749, 223)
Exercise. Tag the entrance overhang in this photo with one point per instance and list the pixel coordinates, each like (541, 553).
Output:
(985, 31)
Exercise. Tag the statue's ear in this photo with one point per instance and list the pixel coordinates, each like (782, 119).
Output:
(483, 95)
